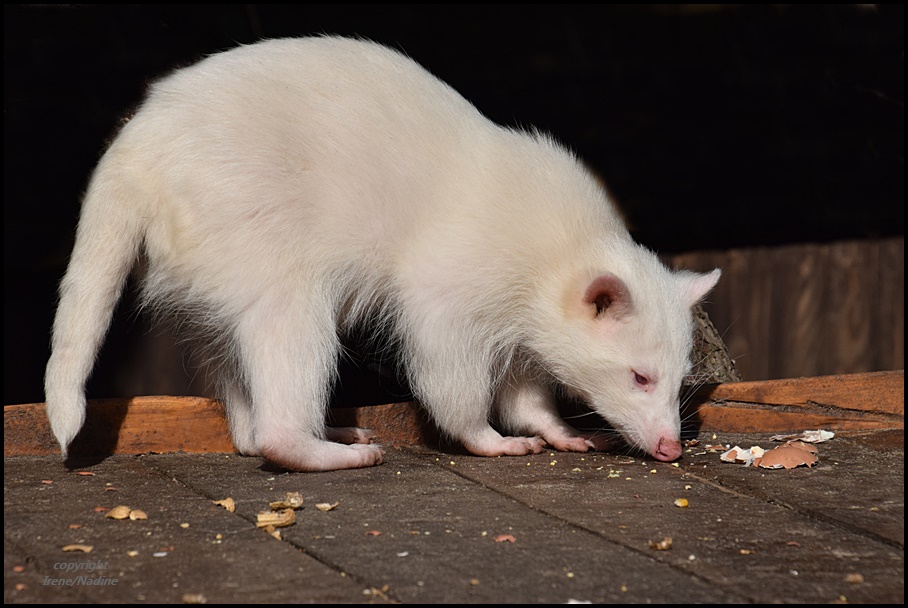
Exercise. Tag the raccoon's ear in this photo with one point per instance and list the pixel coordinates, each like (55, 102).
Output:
(607, 294)
(694, 287)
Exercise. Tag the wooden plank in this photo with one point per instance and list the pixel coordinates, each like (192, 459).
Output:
(797, 337)
(889, 334)
(164, 424)
(195, 424)
(137, 425)
(808, 309)
(747, 276)
(852, 306)
(873, 392)
(750, 418)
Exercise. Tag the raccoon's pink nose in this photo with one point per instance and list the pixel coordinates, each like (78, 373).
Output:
(667, 450)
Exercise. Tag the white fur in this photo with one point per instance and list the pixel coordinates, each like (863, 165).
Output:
(285, 191)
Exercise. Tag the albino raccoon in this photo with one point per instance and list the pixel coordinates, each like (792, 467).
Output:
(286, 191)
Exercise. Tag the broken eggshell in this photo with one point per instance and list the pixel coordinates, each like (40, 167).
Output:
(817, 436)
(792, 454)
(742, 456)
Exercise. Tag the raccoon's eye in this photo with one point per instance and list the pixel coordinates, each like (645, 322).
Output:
(640, 379)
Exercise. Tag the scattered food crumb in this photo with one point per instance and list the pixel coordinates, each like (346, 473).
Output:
(123, 512)
(228, 503)
(80, 548)
(505, 538)
(382, 593)
(194, 598)
(663, 545)
(270, 530)
(326, 506)
(277, 519)
(854, 578)
(291, 500)
(681, 502)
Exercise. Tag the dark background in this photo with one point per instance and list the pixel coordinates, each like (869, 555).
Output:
(714, 127)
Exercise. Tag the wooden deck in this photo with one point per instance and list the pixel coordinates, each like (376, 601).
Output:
(434, 525)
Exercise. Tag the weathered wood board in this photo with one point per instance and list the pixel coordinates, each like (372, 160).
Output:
(159, 424)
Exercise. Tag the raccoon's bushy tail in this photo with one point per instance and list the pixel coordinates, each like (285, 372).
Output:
(111, 231)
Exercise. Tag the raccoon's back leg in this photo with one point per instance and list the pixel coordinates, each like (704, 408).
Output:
(288, 348)
(239, 417)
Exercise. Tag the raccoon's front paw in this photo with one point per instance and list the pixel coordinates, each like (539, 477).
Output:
(506, 446)
(581, 442)
(570, 443)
